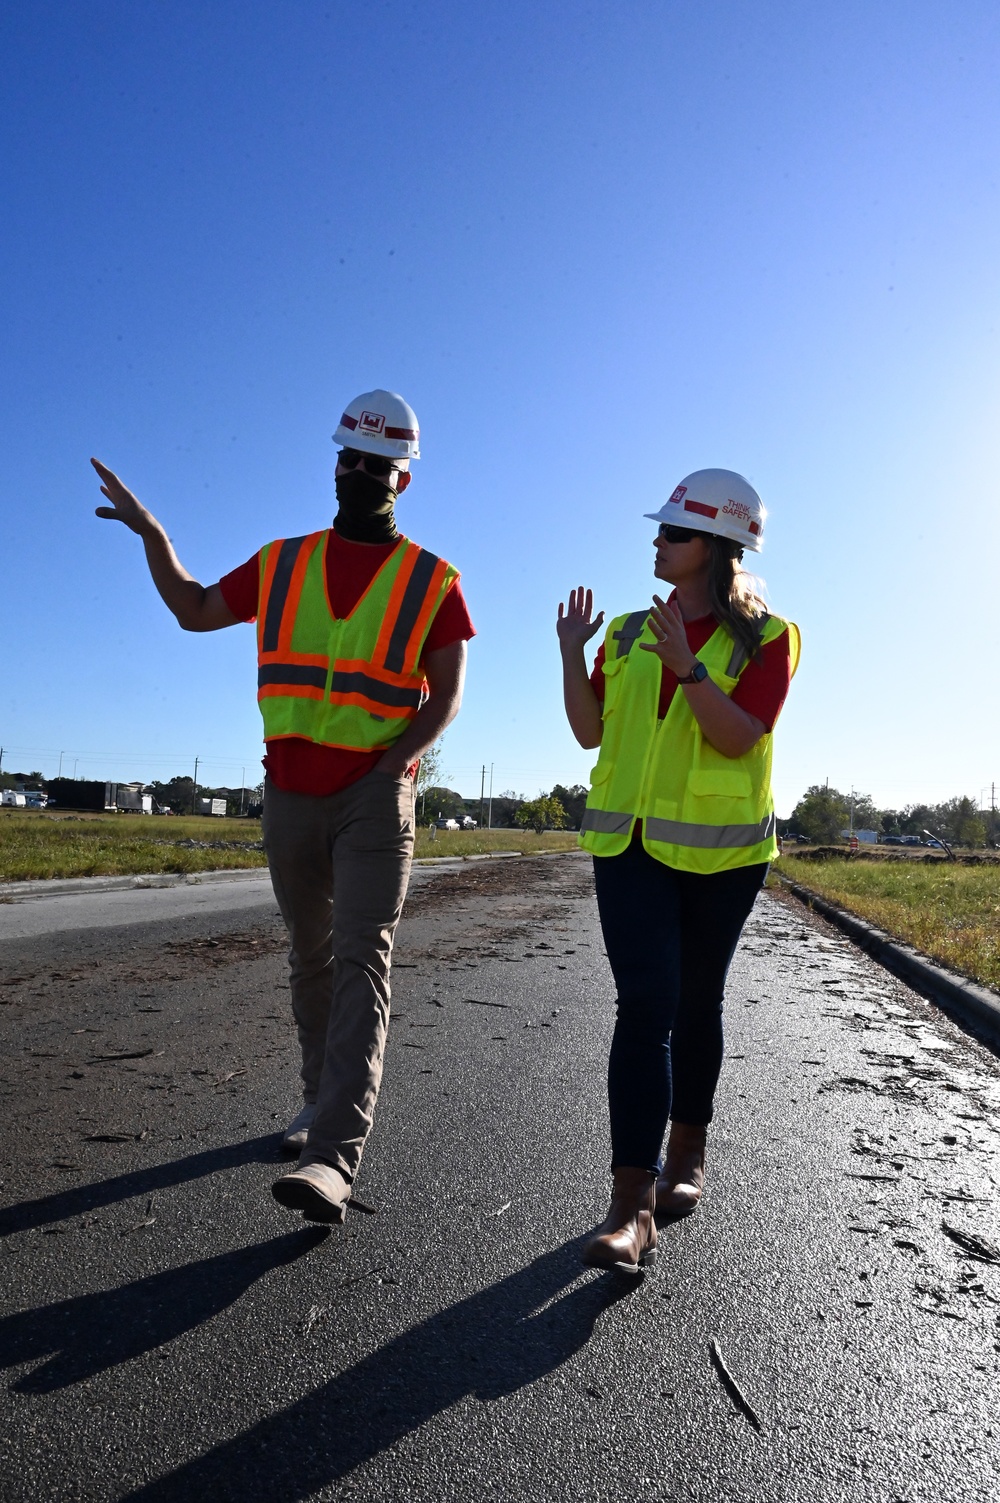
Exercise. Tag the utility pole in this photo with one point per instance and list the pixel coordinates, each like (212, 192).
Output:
(194, 786)
(59, 773)
(852, 809)
(482, 797)
(1, 757)
(243, 778)
(489, 815)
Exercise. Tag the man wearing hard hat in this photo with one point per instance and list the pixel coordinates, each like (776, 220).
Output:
(361, 646)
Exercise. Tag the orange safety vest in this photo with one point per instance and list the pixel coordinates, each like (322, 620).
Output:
(353, 682)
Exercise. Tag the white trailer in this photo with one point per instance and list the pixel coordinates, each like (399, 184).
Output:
(215, 806)
(128, 798)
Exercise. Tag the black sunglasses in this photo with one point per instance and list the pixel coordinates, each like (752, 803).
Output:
(671, 534)
(376, 464)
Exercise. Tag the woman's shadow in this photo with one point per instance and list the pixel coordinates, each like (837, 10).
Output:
(493, 1343)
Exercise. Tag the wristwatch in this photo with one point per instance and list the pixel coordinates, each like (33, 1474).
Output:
(697, 674)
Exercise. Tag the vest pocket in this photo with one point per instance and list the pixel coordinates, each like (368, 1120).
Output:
(718, 796)
(719, 782)
(599, 776)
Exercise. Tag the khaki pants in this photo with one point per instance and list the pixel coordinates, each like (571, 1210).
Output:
(339, 866)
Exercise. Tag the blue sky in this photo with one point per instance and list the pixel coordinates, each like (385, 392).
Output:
(595, 248)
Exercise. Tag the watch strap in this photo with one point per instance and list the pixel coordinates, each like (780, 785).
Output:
(697, 674)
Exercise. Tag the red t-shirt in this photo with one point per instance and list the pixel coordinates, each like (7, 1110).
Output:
(301, 766)
(763, 683)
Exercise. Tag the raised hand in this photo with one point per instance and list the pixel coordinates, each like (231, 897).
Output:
(124, 506)
(671, 645)
(574, 626)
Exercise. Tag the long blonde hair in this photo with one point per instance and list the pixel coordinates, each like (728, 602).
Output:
(736, 603)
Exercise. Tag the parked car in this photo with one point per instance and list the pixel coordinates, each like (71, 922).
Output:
(893, 840)
(446, 824)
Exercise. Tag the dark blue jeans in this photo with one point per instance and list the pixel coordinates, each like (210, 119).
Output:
(670, 937)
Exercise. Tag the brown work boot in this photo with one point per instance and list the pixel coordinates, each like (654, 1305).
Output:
(626, 1239)
(679, 1187)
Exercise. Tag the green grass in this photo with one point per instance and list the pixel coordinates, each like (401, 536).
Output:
(47, 845)
(40, 844)
(948, 911)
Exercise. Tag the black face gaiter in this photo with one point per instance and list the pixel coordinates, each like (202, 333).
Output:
(365, 505)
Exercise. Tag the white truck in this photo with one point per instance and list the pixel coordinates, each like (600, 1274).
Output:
(11, 800)
(215, 806)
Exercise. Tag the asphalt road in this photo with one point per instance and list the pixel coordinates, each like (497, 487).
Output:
(168, 1332)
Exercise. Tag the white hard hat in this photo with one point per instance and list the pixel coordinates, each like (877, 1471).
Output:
(380, 422)
(716, 501)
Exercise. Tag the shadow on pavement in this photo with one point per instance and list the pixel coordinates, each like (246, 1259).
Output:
(93, 1332)
(491, 1344)
(92, 1197)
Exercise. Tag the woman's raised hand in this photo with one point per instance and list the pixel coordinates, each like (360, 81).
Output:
(671, 645)
(574, 626)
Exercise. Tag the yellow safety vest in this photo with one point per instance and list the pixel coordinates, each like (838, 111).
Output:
(700, 811)
(353, 682)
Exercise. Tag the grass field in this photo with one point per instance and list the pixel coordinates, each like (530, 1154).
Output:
(39, 844)
(949, 911)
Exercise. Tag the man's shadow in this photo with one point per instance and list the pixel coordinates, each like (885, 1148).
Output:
(93, 1197)
(83, 1336)
(493, 1343)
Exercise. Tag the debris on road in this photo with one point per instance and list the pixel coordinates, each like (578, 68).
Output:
(731, 1386)
(133, 1054)
(971, 1245)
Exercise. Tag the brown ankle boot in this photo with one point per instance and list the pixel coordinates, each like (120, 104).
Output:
(679, 1187)
(626, 1238)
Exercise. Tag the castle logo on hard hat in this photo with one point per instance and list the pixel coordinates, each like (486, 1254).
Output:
(372, 422)
(679, 493)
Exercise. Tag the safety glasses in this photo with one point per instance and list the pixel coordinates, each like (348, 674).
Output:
(376, 464)
(671, 534)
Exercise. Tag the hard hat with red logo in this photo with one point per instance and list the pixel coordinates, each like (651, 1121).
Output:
(716, 501)
(380, 422)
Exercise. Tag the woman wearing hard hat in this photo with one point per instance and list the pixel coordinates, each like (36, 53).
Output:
(682, 702)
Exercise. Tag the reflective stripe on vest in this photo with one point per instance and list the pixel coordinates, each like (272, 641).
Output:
(292, 675)
(352, 682)
(710, 837)
(606, 822)
(700, 811)
(676, 832)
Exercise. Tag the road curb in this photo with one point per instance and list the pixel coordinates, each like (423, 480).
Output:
(490, 856)
(969, 1001)
(20, 892)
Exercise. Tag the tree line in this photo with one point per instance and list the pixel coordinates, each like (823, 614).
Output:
(559, 809)
(823, 814)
